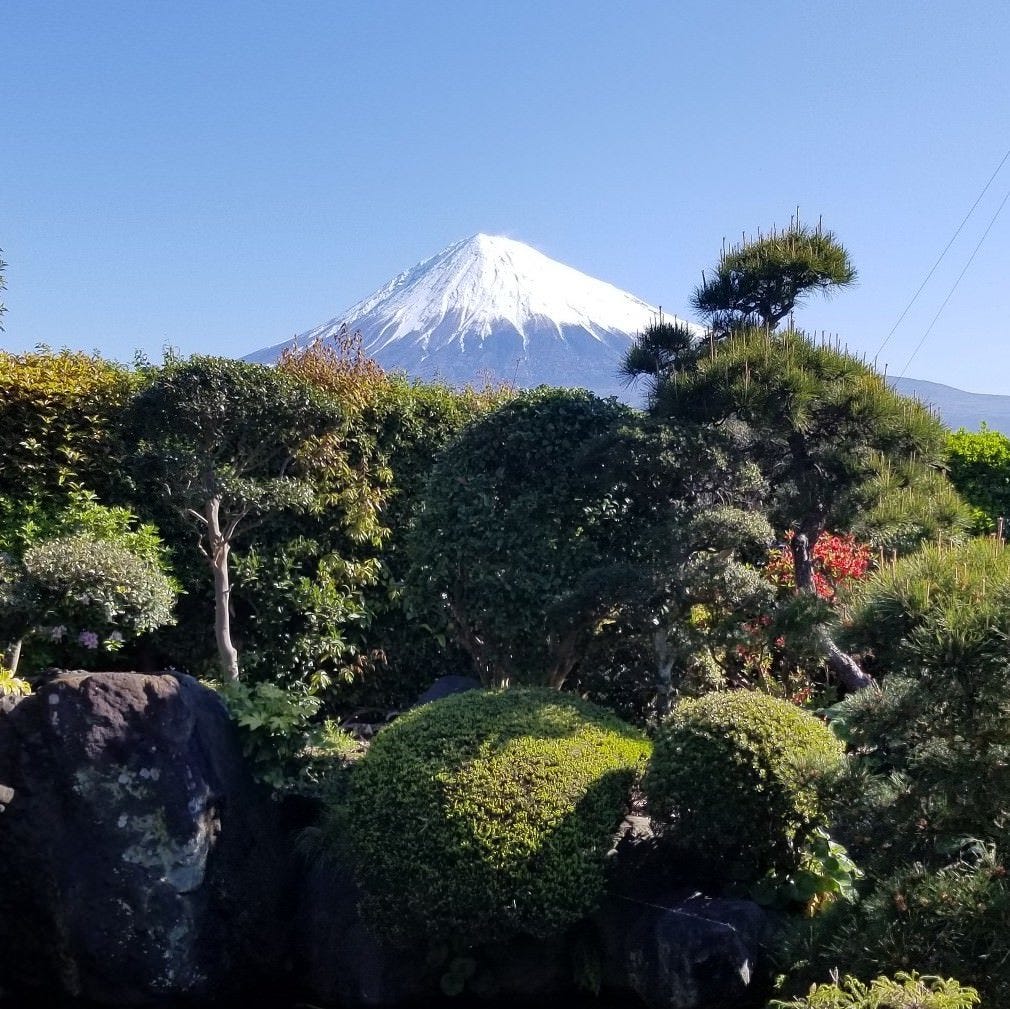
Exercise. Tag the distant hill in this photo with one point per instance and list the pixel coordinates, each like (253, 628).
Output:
(956, 407)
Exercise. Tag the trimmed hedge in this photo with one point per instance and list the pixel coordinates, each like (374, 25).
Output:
(490, 813)
(735, 773)
(58, 414)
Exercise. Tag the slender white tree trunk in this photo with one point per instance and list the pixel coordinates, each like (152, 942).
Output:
(217, 554)
(665, 658)
(12, 656)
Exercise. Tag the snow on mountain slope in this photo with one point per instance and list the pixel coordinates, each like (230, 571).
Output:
(491, 307)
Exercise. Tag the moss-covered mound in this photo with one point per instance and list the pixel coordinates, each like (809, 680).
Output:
(735, 774)
(490, 813)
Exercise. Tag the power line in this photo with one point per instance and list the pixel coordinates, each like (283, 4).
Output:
(950, 293)
(946, 248)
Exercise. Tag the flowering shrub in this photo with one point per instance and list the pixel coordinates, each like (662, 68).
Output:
(838, 561)
(90, 591)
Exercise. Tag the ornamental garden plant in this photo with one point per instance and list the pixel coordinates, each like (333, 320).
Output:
(489, 813)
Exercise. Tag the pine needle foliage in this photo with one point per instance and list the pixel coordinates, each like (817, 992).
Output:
(662, 351)
(964, 589)
(822, 421)
(759, 281)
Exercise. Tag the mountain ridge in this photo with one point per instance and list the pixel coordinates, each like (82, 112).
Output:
(956, 407)
(490, 307)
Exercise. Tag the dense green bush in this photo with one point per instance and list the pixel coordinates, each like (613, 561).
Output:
(517, 523)
(315, 593)
(26, 521)
(58, 415)
(322, 588)
(903, 991)
(923, 803)
(489, 813)
(951, 921)
(902, 604)
(735, 774)
(932, 745)
(89, 586)
(980, 469)
(287, 748)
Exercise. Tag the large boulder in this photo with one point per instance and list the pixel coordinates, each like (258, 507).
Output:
(140, 861)
(338, 959)
(684, 952)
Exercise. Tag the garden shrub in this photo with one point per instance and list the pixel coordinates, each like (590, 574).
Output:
(27, 521)
(924, 800)
(932, 744)
(316, 590)
(903, 991)
(286, 746)
(92, 589)
(951, 921)
(952, 585)
(58, 413)
(518, 521)
(980, 469)
(736, 776)
(490, 813)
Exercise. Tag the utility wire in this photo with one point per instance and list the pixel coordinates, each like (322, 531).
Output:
(946, 249)
(950, 293)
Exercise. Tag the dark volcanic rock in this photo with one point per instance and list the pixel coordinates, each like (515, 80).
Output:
(140, 860)
(338, 959)
(691, 952)
(446, 686)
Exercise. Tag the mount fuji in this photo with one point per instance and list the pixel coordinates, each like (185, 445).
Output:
(490, 307)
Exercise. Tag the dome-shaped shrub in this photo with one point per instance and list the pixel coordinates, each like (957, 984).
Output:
(97, 584)
(736, 772)
(490, 813)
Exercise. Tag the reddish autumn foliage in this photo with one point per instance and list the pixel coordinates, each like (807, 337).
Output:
(838, 560)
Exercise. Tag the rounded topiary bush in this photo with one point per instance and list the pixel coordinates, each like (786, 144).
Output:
(736, 776)
(98, 584)
(489, 813)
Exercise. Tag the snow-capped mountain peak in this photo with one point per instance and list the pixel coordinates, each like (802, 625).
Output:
(492, 306)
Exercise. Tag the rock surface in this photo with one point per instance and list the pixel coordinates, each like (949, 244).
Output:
(686, 952)
(446, 686)
(338, 960)
(140, 860)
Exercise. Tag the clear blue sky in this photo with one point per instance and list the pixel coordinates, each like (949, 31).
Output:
(221, 175)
